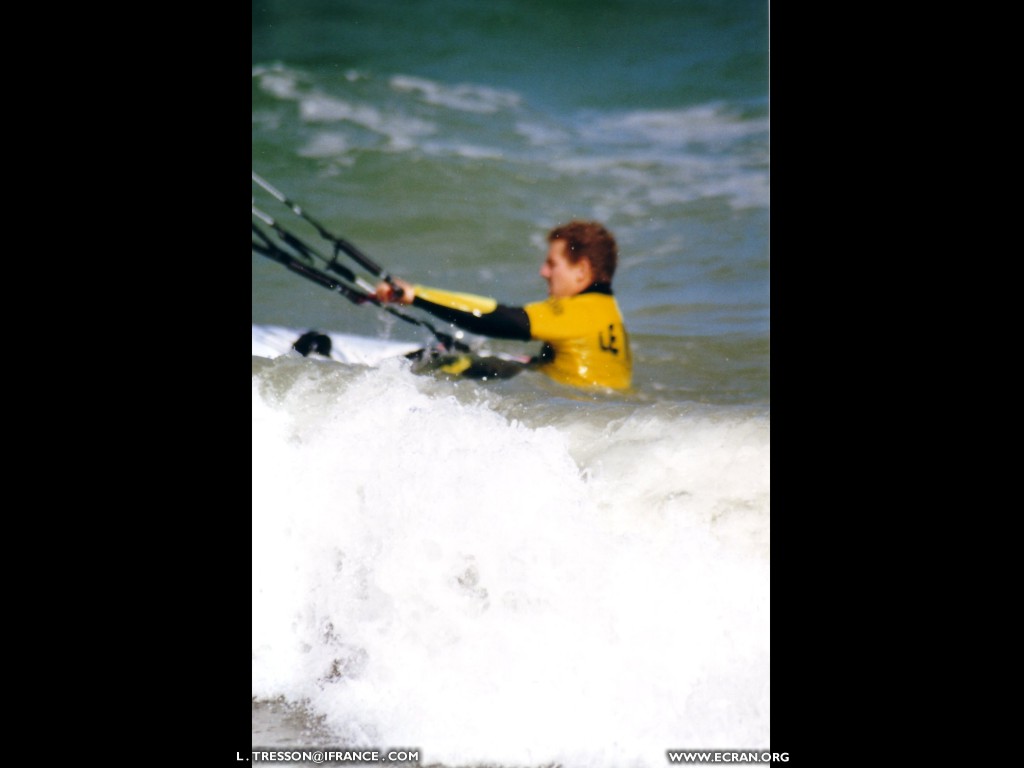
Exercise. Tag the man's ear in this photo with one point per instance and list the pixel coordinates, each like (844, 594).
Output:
(586, 272)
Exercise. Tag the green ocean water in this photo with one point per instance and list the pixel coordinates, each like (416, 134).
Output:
(445, 139)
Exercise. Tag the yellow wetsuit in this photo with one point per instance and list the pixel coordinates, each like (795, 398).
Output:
(585, 341)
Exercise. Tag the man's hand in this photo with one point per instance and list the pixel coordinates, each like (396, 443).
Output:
(386, 292)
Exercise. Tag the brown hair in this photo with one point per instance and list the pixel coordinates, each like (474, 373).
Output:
(591, 241)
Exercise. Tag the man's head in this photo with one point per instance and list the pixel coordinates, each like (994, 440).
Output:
(580, 254)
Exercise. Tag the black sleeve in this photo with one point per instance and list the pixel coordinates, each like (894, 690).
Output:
(503, 323)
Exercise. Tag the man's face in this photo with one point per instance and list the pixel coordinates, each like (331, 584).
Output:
(564, 279)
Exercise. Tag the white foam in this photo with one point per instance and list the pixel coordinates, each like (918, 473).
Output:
(278, 81)
(464, 97)
(325, 144)
(430, 572)
(709, 124)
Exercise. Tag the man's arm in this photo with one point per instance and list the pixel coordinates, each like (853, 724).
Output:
(476, 314)
(502, 322)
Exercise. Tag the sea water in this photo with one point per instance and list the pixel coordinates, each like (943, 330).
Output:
(514, 573)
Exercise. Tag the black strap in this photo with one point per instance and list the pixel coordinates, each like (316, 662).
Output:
(354, 293)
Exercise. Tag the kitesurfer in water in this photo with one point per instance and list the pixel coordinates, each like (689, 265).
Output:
(585, 341)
